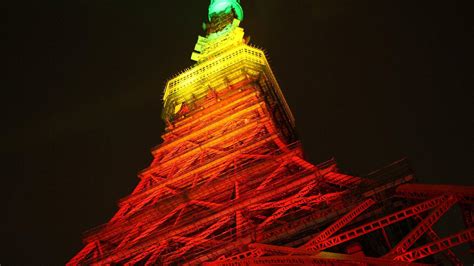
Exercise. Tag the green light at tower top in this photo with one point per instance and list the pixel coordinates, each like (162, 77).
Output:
(226, 6)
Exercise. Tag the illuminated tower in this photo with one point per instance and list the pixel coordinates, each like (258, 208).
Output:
(229, 185)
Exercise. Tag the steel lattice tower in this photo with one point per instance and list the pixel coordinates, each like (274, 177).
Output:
(229, 185)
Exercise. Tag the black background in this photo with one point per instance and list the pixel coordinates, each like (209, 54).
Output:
(369, 82)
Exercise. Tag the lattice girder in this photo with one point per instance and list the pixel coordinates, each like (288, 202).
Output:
(437, 246)
(231, 173)
(378, 224)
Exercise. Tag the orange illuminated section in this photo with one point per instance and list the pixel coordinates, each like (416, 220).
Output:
(229, 185)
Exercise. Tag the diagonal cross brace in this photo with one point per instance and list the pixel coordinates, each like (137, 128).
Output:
(437, 246)
(379, 223)
(343, 221)
(422, 227)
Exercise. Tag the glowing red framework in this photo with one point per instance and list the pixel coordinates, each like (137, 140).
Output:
(230, 186)
(227, 186)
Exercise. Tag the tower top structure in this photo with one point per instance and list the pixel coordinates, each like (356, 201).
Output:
(222, 15)
(222, 46)
(229, 184)
(227, 7)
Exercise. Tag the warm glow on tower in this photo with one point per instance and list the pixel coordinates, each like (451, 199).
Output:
(229, 185)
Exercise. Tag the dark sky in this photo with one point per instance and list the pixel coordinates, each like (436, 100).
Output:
(369, 82)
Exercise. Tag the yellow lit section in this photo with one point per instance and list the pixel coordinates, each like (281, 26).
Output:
(213, 54)
(215, 43)
(222, 59)
(193, 81)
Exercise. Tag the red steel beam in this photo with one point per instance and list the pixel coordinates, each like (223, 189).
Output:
(253, 253)
(152, 260)
(437, 246)
(208, 118)
(284, 202)
(424, 191)
(198, 239)
(342, 179)
(154, 212)
(270, 177)
(217, 162)
(217, 126)
(149, 252)
(229, 211)
(343, 221)
(239, 219)
(76, 260)
(298, 201)
(280, 249)
(422, 227)
(321, 258)
(377, 224)
(328, 214)
(433, 236)
(314, 219)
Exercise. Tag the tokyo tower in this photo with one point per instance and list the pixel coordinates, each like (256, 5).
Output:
(229, 185)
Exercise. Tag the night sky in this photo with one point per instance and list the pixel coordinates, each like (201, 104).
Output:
(369, 82)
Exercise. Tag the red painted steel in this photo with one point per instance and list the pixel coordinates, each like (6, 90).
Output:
(215, 188)
(423, 226)
(424, 191)
(350, 216)
(437, 246)
(229, 185)
(433, 236)
(322, 258)
(378, 224)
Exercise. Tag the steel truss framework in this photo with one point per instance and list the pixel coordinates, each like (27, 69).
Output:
(226, 179)
(230, 186)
